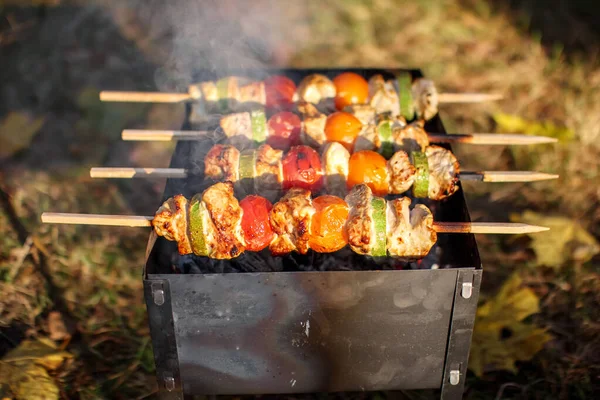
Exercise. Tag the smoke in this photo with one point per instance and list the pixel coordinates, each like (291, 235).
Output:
(215, 35)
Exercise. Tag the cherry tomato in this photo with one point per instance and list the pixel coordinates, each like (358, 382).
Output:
(350, 89)
(302, 168)
(327, 233)
(342, 127)
(284, 130)
(280, 91)
(370, 168)
(256, 225)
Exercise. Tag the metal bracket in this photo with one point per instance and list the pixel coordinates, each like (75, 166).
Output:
(158, 303)
(461, 330)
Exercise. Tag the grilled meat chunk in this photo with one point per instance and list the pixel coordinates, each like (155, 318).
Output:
(316, 88)
(383, 96)
(221, 163)
(360, 225)
(411, 137)
(269, 172)
(238, 128)
(226, 215)
(410, 233)
(290, 220)
(425, 98)
(335, 160)
(365, 113)
(401, 172)
(368, 138)
(253, 92)
(171, 221)
(443, 172)
(313, 125)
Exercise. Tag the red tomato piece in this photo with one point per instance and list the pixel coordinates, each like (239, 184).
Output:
(280, 91)
(284, 130)
(256, 225)
(302, 168)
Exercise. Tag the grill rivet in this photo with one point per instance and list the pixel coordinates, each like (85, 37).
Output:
(467, 290)
(159, 297)
(454, 377)
(169, 383)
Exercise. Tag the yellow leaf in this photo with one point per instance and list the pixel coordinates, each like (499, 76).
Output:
(566, 240)
(500, 338)
(514, 123)
(16, 132)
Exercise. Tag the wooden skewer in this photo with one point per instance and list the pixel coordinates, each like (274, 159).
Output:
(474, 138)
(481, 176)
(449, 98)
(144, 97)
(160, 97)
(146, 221)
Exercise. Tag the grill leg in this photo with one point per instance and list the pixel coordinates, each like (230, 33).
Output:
(461, 331)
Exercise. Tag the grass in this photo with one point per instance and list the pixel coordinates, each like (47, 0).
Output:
(92, 275)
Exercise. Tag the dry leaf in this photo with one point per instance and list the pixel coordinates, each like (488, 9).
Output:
(16, 132)
(25, 369)
(56, 326)
(566, 240)
(500, 338)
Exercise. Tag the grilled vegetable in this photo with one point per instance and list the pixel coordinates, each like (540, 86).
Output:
(342, 127)
(421, 185)
(284, 130)
(197, 225)
(351, 88)
(302, 169)
(379, 227)
(280, 91)
(407, 110)
(256, 224)
(259, 126)
(327, 226)
(370, 168)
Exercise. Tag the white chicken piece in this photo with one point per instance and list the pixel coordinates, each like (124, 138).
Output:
(238, 129)
(291, 219)
(221, 163)
(253, 92)
(360, 225)
(171, 221)
(410, 233)
(269, 172)
(365, 113)
(313, 125)
(443, 172)
(317, 89)
(409, 138)
(425, 98)
(368, 138)
(383, 96)
(226, 215)
(401, 172)
(335, 160)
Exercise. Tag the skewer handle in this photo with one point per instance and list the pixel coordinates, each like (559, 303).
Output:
(162, 136)
(468, 97)
(502, 228)
(138, 173)
(491, 138)
(506, 176)
(144, 97)
(97, 219)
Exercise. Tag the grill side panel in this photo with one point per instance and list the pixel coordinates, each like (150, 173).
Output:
(311, 332)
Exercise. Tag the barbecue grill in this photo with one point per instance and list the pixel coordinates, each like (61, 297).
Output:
(309, 323)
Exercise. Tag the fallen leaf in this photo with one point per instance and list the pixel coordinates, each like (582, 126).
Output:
(500, 337)
(514, 123)
(56, 326)
(565, 241)
(25, 369)
(17, 130)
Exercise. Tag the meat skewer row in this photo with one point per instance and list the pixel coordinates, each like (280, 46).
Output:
(433, 173)
(358, 128)
(214, 224)
(401, 96)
